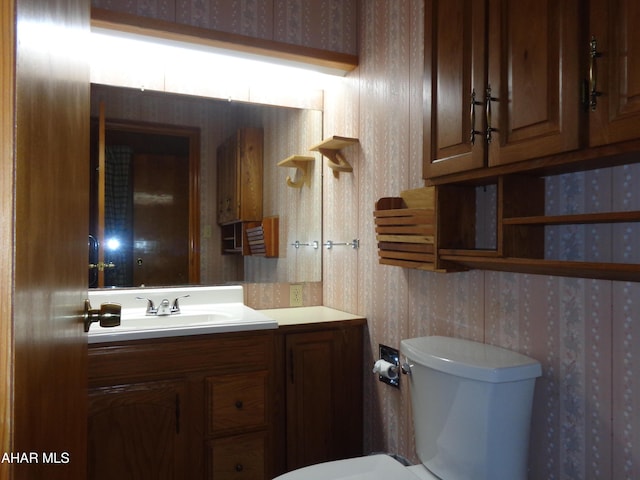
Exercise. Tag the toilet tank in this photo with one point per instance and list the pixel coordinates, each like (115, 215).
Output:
(471, 407)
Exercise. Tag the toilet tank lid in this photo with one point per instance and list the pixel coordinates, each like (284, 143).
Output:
(468, 359)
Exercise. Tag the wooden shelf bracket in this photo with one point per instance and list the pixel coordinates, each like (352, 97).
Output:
(301, 163)
(330, 148)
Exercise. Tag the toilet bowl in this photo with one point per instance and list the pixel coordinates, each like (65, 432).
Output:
(373, 467)
(471, 411)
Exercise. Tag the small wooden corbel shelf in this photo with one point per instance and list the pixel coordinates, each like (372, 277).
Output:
(330, 148)
(301, 163)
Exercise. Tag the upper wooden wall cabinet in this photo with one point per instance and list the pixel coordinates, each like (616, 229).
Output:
(613, 72)
(239, 165)
(504, 81)
(518, 92)
(518, 86)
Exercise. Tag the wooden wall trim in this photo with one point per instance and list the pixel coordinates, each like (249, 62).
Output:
(7, 113)
(162, 29)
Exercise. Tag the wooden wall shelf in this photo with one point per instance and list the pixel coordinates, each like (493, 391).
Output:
(609, 217)
(405, 229)
(603, 271)
(301, 163)
(520, 222)
(331, 148)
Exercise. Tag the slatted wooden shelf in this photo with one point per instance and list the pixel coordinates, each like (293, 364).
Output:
(405, 229)
(262, 237)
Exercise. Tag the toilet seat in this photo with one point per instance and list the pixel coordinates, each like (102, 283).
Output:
(373, 467)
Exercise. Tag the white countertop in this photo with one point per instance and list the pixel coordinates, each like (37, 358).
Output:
(203, 310)
(307, 315)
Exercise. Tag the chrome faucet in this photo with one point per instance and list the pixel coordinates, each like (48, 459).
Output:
(165, 307)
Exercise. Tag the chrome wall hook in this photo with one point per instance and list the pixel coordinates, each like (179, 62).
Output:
(355, 244)
(297, 244)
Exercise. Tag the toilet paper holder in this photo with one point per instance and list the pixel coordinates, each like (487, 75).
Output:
(388, 366)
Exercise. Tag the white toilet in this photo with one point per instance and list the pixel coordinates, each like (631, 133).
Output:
(471, 412)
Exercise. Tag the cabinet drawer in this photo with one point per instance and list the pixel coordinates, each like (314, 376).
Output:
(241, 457)
(236, 401)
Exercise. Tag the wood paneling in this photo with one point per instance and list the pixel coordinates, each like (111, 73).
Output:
(7, 65)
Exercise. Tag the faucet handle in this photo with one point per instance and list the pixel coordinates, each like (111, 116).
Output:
(151, 309)
(175, 308)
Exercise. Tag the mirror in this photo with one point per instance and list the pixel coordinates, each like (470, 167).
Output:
(153, 127)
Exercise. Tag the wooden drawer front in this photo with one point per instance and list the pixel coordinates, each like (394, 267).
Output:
(147, 359)
(236, 401)
(238, 457)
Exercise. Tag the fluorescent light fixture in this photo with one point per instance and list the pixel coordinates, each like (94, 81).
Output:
(140, 55)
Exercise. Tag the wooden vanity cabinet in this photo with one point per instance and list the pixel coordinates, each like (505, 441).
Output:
(185, 407)
(502, 79)
(319, 403)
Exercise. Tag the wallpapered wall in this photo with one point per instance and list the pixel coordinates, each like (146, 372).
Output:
(586, 420)
(324, 24)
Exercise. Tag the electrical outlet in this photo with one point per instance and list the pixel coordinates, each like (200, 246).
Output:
(295, 295)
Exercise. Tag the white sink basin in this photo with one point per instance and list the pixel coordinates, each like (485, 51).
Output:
(207, 310)
(191, 319)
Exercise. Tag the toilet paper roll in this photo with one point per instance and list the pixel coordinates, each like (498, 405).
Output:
(385, 369)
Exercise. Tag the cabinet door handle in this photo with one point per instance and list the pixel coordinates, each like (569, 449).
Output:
(291, 366)
(488, 100)
(593, 74)
(474, 132)
(177, 413)
(239, 404)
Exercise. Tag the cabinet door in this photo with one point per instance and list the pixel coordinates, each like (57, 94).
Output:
(310, 395)
(136, 431)
(614, 114)
(455, 83)
(534, 79)
(227, 182)
(249, 174)
(323, 396)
